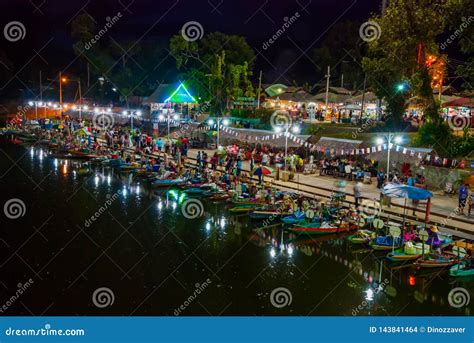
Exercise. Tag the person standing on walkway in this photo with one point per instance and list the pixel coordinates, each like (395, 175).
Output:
(252, 163)
(463, 193)
(199, 160)
(380, 178)
(357, 193)
(470, 202)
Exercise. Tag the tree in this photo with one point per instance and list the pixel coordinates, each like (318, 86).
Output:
(341, 49)
(219, 66)
(408, 31)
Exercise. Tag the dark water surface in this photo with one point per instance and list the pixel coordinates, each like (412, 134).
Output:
(155, 260)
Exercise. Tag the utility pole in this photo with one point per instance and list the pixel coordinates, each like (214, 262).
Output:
(88, 76)
(363, 99)
(80, 99)
(61, 95)
(258, 91)
(328, 75)
(40, 87)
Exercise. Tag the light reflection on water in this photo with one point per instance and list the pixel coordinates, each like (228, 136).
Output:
(309, 266)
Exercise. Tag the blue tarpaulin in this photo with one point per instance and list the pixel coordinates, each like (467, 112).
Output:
(405, 191)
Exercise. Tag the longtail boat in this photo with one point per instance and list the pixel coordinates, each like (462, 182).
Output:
(362, 237)
(386, 243)
(321, 229)
(465, 268)
(434, 261)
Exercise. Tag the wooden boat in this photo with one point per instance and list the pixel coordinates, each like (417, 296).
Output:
(294, 218)
(223, 196)
(362, 237)
(400, 255)
(465, 268)
(195, 190)
(246, 208)
(434, 261)
(385, 243)
(267, 213)
(322, 229)
(167, 182)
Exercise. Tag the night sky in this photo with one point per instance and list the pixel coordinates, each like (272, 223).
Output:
(48, 25)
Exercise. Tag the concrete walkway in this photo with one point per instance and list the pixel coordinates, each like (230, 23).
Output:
(442, 206)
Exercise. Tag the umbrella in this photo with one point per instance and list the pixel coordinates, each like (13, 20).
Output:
(469, 180)
(405, 191)
(262, 170)
(408, 192)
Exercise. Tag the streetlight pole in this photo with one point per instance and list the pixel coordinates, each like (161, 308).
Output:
(60, 94)
(389, 137)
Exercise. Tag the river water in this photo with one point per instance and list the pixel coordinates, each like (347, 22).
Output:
(152, 260)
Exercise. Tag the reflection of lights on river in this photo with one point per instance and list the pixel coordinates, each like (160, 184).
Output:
(273, 252)
(138, 189)
(124, 192)
(56, 162)
(108, 179)
(290, 250)
(411, 280)
(41, 154)
(32, 152)
(96, 180)
(174, 205)
(208, 226)
(64, 170)
(369, 294)
(160, 205)
(222, 222)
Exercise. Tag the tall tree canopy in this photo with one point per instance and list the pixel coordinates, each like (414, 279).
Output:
(219, 67)
(408, 32)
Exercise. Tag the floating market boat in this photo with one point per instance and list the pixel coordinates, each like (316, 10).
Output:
(321, 229)
(168, 182)
(244, 208)
(362, 237)
(195, 190)
(294, 218)
(434, 261)
(410, 252)
(267, 213)
(386, 243)
(465, 268)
